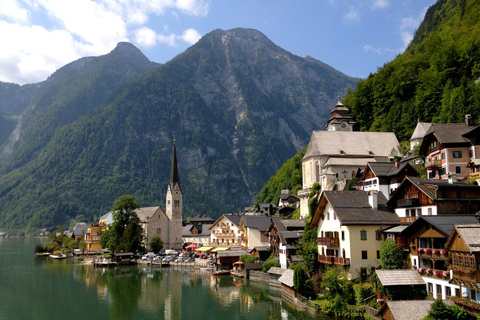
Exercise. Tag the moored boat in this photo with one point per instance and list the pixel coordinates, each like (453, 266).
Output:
(221, 272)
(58, 256)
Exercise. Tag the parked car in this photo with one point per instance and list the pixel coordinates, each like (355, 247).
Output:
(148, 256)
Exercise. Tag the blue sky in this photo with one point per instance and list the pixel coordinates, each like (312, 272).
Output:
(353, 36)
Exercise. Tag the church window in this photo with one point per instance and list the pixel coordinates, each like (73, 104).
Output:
(176, 202)
(159, 231)
(168, 202)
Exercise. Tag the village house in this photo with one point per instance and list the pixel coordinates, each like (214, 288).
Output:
(198, 234)
(386, 177)
(283, 235)
(226, 231)
(463, 247)
(399, 284)
(451, 149)
(339, 154)
(425, 242)
(254, 230)
(349, 229)
(417, 197)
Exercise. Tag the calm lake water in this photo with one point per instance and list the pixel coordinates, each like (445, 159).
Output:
(43, 288)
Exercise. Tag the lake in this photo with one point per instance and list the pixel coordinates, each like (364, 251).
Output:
(44, 288)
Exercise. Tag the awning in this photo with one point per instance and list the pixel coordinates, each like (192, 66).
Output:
(220, 249)
(204, 249)
(191, 246)
(238, 262)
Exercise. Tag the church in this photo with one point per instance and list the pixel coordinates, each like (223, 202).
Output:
(167, 225)
(337, 154)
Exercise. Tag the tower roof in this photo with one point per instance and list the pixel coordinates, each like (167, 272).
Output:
(174, 169)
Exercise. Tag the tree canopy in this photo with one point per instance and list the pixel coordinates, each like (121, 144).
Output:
(125, 234)
(391, 256)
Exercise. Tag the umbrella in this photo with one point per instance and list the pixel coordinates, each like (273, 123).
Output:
(191, 247)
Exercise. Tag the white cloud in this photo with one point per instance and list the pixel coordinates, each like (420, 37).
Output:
(11, 10)
(380, 4)
(408, 26)
(380, 50)
(190, 36)
(352, 16)
(40, 36)
(146, 37)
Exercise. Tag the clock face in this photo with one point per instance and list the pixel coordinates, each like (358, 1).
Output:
(343, 125)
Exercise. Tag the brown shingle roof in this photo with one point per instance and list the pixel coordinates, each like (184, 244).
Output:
(287, 278)
(399, 277)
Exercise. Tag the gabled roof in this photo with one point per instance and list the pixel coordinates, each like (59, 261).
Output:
(352, 144)
(287, 278)
(443, 223)
(146, 213)
(293, 223)
(408, 309)
(262, 223)
(470, 234)
(420, 130)
(284, 235)
(386, 169)
(447, 133)
(233, 218)
(399, 277)
(429, 187)
(353, 208)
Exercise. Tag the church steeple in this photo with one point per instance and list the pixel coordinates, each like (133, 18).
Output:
(174, 168)
(340, 120)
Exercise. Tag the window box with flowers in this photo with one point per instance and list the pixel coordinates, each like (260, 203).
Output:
(420, 270)
(436, 251)
(428, 251)
(443, 252)
(428, 271)
(420, 250)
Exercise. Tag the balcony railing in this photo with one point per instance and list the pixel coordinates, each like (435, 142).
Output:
(433, 164)
(432, 253)
(412, 202)
(475, 175)
(327, 241)
(407, 219)
(334, 260)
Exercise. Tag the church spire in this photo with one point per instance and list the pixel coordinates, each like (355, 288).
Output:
(174, 169)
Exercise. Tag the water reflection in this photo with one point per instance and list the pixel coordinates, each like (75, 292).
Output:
(139, 292)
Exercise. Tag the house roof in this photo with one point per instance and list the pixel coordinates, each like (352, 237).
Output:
(399, 277)
(262, 223)
(232, 217)
(420, 130)
(231, 253)
(443, 223)
(386, 169)
(429, 187)
(409, 309)
(287, 278)
(293, 223)
(276, 270)
(470, 233)
(447, 133)
(146, 213)
(284, 235)
(353, 208)
(352, 143)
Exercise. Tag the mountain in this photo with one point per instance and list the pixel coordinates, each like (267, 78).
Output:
(237, 105)
(435, 80)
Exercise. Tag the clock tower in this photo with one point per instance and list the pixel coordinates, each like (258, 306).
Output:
(340, 120)
(173, 208)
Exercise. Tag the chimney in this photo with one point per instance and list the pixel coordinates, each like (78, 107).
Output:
(452, 178)
(373, 199)
(468, 118)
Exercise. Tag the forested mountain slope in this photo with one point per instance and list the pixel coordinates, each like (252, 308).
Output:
(435, 80)
(237, 105)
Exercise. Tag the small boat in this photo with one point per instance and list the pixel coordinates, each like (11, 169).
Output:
(206, 269)
(221, 272)
(58, 256)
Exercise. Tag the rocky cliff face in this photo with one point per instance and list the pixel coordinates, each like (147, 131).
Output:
(237, 104)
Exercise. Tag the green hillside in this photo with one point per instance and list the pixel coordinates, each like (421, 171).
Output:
(435, 80)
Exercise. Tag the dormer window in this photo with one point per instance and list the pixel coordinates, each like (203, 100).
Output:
(371, 153)
(342, 152)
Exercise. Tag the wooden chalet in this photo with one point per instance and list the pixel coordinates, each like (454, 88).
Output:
(417, 197)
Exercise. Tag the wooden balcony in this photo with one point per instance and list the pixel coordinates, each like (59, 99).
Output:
(327, 241)
(407, 219)
(334, 260)
(475, 175)
(412, 202)
(433, 164)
